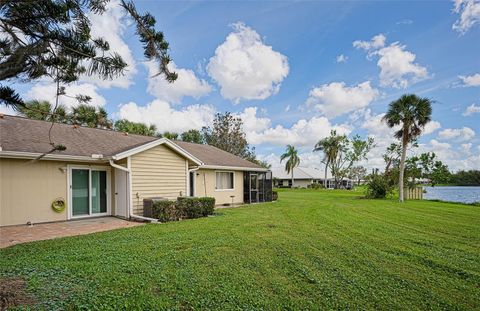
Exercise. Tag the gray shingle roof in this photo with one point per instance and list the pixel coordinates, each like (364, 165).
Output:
(211, 155)
(26, 135)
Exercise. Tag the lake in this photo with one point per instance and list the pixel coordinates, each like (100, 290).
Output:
(453, 194)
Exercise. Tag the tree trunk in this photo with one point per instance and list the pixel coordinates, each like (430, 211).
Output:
(292, 177)
(325, 180)
(402, 168)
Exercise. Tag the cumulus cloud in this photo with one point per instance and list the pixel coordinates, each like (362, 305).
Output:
(431, 127)
(375, 43)
(397, 65)
(472, 109)
(47, 91)
(336, 98)
(111, 26)
(341, 58)
(187, 84)
(473, 80)
(469, 11)
(245, 68)
(460, 134)
(166, 118)
(304, 132)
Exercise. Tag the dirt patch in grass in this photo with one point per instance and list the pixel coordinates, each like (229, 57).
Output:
(13, 293)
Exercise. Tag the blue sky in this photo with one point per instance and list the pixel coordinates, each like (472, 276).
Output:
(295, 70)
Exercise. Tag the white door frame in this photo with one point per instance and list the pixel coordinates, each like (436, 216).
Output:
(69, 187)
(118, 193)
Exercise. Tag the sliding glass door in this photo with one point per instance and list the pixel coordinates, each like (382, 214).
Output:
(89, 192)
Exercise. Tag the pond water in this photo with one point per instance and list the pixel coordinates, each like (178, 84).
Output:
(453, 194)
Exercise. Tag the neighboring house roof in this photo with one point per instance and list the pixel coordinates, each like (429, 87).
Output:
(300, 173)
(213, 157)
(18, 134)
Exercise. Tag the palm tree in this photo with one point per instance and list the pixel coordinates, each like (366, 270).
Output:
(411, 113)
(43, 110)
(87, 115)
(293, 160)
(330, 147)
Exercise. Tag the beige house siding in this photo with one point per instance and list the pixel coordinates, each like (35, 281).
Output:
(205, 186)
(27, 190)
(157, 172)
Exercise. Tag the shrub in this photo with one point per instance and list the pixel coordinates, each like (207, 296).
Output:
(183, 208)
(274, 195)
(315, 186)
(378, 187)
(207, 205)
(165, 211)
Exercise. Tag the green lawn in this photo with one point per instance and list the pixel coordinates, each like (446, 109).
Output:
(310, 250)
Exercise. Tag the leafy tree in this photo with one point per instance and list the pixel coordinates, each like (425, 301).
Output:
(358, 173)
(91, 116)
(43, 110)
(341, 153)
(52, 39)
(170, 135)
(466, 178)
(135, 128)
(291, 154)
(439, 174)
(411, 113)
(192, 136)
(227, 133)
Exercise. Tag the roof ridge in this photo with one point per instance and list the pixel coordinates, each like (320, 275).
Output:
(71, 125)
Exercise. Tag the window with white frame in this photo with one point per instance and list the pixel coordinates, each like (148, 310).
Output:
(224, 181)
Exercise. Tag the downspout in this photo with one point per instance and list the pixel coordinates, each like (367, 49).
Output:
(130, 206)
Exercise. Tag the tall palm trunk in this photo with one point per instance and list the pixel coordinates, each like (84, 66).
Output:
(402, 167)
(292, 177)
(325, 180)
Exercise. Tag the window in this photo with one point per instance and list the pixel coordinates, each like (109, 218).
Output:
(224, 181)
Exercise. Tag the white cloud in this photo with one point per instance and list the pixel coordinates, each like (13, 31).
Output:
(111, 26)
(47, 91)
(336, 98)
(165, 118)
(431, 127)
(245, 68)
(187, 84)
(375, 43)
(287, 109)
(302, 133)
(342, 58)
(473, 80)
(471, 110)
(397, 66)
(466, 147)
(460, 134)
(469, 11)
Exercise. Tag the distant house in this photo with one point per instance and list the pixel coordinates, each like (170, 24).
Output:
(104, 172)
(305, 176)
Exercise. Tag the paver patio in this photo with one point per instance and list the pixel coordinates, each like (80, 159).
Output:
(21, 234)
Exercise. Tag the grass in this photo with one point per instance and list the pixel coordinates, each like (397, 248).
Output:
(310, 250)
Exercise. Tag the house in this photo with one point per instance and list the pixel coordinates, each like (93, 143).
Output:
(304, 177)
(103, 172)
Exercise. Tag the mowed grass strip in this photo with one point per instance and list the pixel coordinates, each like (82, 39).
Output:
(310, 250)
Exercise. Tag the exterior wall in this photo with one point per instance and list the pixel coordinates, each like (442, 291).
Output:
(27, 190)
(205, 187)
(299, 183)
(302, 183)
(157, 172)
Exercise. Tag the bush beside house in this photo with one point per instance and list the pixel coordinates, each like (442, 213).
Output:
(183, 208)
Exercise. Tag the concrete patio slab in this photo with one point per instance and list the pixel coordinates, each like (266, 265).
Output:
(21, 234)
